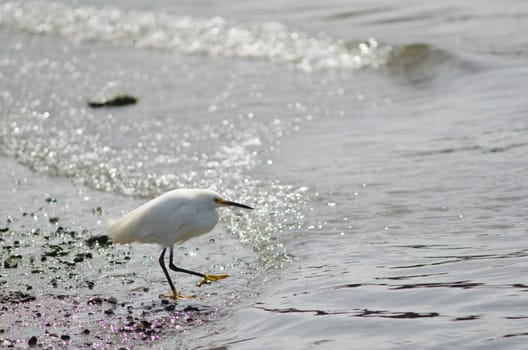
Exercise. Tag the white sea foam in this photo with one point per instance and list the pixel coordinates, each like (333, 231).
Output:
(214, 36)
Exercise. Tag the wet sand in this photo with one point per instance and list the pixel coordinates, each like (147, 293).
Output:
(60, 280)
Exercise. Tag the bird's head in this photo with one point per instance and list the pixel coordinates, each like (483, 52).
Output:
(213, 199)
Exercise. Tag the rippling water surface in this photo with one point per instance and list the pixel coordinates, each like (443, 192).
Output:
(382, 145)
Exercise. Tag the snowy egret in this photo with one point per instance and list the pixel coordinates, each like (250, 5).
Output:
(173, 217)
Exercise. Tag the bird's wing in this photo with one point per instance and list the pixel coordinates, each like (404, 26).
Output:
(153, 222)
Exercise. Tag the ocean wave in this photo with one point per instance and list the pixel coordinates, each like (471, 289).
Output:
(216, 36)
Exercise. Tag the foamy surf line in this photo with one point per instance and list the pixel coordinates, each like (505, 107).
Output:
(214, 36)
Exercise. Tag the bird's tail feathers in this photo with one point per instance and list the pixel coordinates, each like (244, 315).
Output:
(118, 232)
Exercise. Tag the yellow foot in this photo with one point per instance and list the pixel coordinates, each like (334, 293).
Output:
(211, 278)
(176, 296)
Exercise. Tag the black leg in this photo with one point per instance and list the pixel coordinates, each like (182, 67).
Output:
(164, 268)
(179, 269)
(205, 277)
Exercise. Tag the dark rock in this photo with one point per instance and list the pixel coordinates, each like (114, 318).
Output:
(54, 220)
(65, 337)
(51, 200)
(150, 332)
(114, 101)
(79, 257)
(32, 341)
(95, 301)
(191, 309)
(86, 331)
(56, 250)
(11, 262)
(101, 241)
(4, 229)
(16, 297)
(112, 300)
(68, 263)
(109, 312)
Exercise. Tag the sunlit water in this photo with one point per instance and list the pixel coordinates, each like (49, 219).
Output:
(383, 148)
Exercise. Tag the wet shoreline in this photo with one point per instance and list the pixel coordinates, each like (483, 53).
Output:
(59, 286)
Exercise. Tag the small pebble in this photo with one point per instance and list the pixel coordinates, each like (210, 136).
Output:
(97, 301)
(191, 308)
(32, 341)
(10, 263)
(101, 240)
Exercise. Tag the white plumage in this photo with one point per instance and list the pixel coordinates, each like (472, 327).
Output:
(173, 217)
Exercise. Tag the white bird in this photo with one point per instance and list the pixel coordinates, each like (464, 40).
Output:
(171, 218)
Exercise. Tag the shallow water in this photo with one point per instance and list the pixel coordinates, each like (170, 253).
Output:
(382, 146)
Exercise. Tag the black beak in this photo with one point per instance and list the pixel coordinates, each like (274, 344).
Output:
(235, 204)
